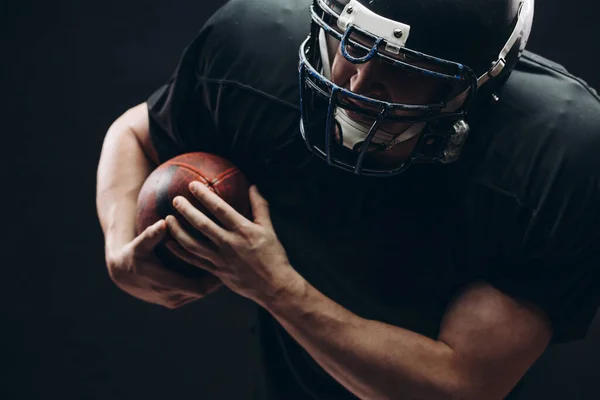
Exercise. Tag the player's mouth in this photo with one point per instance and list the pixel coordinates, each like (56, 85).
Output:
(360, 118)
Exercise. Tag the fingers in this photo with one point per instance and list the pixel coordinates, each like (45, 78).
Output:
(176, 300)
(168, 289)
(183, 301)
(188, 257)
(226, 214)
(150, 237)
(199, 221)
(171, 282)
(260, 208)
(173, 300)
(189, 248)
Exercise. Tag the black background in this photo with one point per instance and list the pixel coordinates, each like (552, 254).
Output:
(71, 68)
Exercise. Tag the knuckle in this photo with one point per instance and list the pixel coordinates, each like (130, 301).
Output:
(111, 262)
(220, 209)
(115, 270)
(256, 245)
(245, 228)
(174, 301)
(259, 240)
(118, 274)
(200, 223)
(149, 231)
(173, 224)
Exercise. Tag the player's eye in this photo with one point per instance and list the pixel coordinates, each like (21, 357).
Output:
(356, 51)
(357, 39)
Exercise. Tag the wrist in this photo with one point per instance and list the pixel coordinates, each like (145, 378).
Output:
(287, 288)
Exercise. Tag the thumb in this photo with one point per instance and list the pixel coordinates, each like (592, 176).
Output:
(151, 236)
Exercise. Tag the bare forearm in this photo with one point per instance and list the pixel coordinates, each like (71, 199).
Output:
(122, 170)
(371, 359)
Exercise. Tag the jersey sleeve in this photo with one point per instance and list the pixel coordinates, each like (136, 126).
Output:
(531, 223)
(548, 257)
(546, 251)
(234, 92)
(558, 267)
(179, 119)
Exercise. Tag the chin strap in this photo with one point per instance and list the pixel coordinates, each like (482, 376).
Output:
(354, 132)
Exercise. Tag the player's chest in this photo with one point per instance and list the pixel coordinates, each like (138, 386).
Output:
(379, 245)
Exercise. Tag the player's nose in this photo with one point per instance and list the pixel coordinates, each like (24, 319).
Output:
(367, 81)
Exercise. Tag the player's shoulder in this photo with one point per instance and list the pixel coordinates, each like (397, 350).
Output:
(544, 91)
(536, 176)
(254, 44)
(542, 140)
(249, 13)
(260, 24)
(549, 117)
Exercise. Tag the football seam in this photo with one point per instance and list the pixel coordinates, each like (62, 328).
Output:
(212, 183)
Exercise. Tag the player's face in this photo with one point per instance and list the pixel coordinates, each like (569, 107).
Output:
(384, 81)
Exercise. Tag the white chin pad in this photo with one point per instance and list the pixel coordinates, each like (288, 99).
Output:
(354, 132)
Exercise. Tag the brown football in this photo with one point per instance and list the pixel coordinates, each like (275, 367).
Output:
(171, 179)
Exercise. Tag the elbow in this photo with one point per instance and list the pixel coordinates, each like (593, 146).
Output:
(469, 390)
(448, 389)
(454, 384)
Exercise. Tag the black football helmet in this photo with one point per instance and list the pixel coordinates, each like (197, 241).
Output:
(461, 46)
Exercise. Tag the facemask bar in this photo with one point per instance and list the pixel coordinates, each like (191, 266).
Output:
(345, 40)
(329, 131)
(310, 77)
(327, 89)
(463, 73)
(357, 60)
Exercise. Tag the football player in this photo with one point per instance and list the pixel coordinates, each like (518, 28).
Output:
(426, 201)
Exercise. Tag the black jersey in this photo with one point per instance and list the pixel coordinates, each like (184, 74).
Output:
(521, 211)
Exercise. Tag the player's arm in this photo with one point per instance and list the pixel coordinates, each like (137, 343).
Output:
(126, 160)
(495, 338)
(487, 342)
